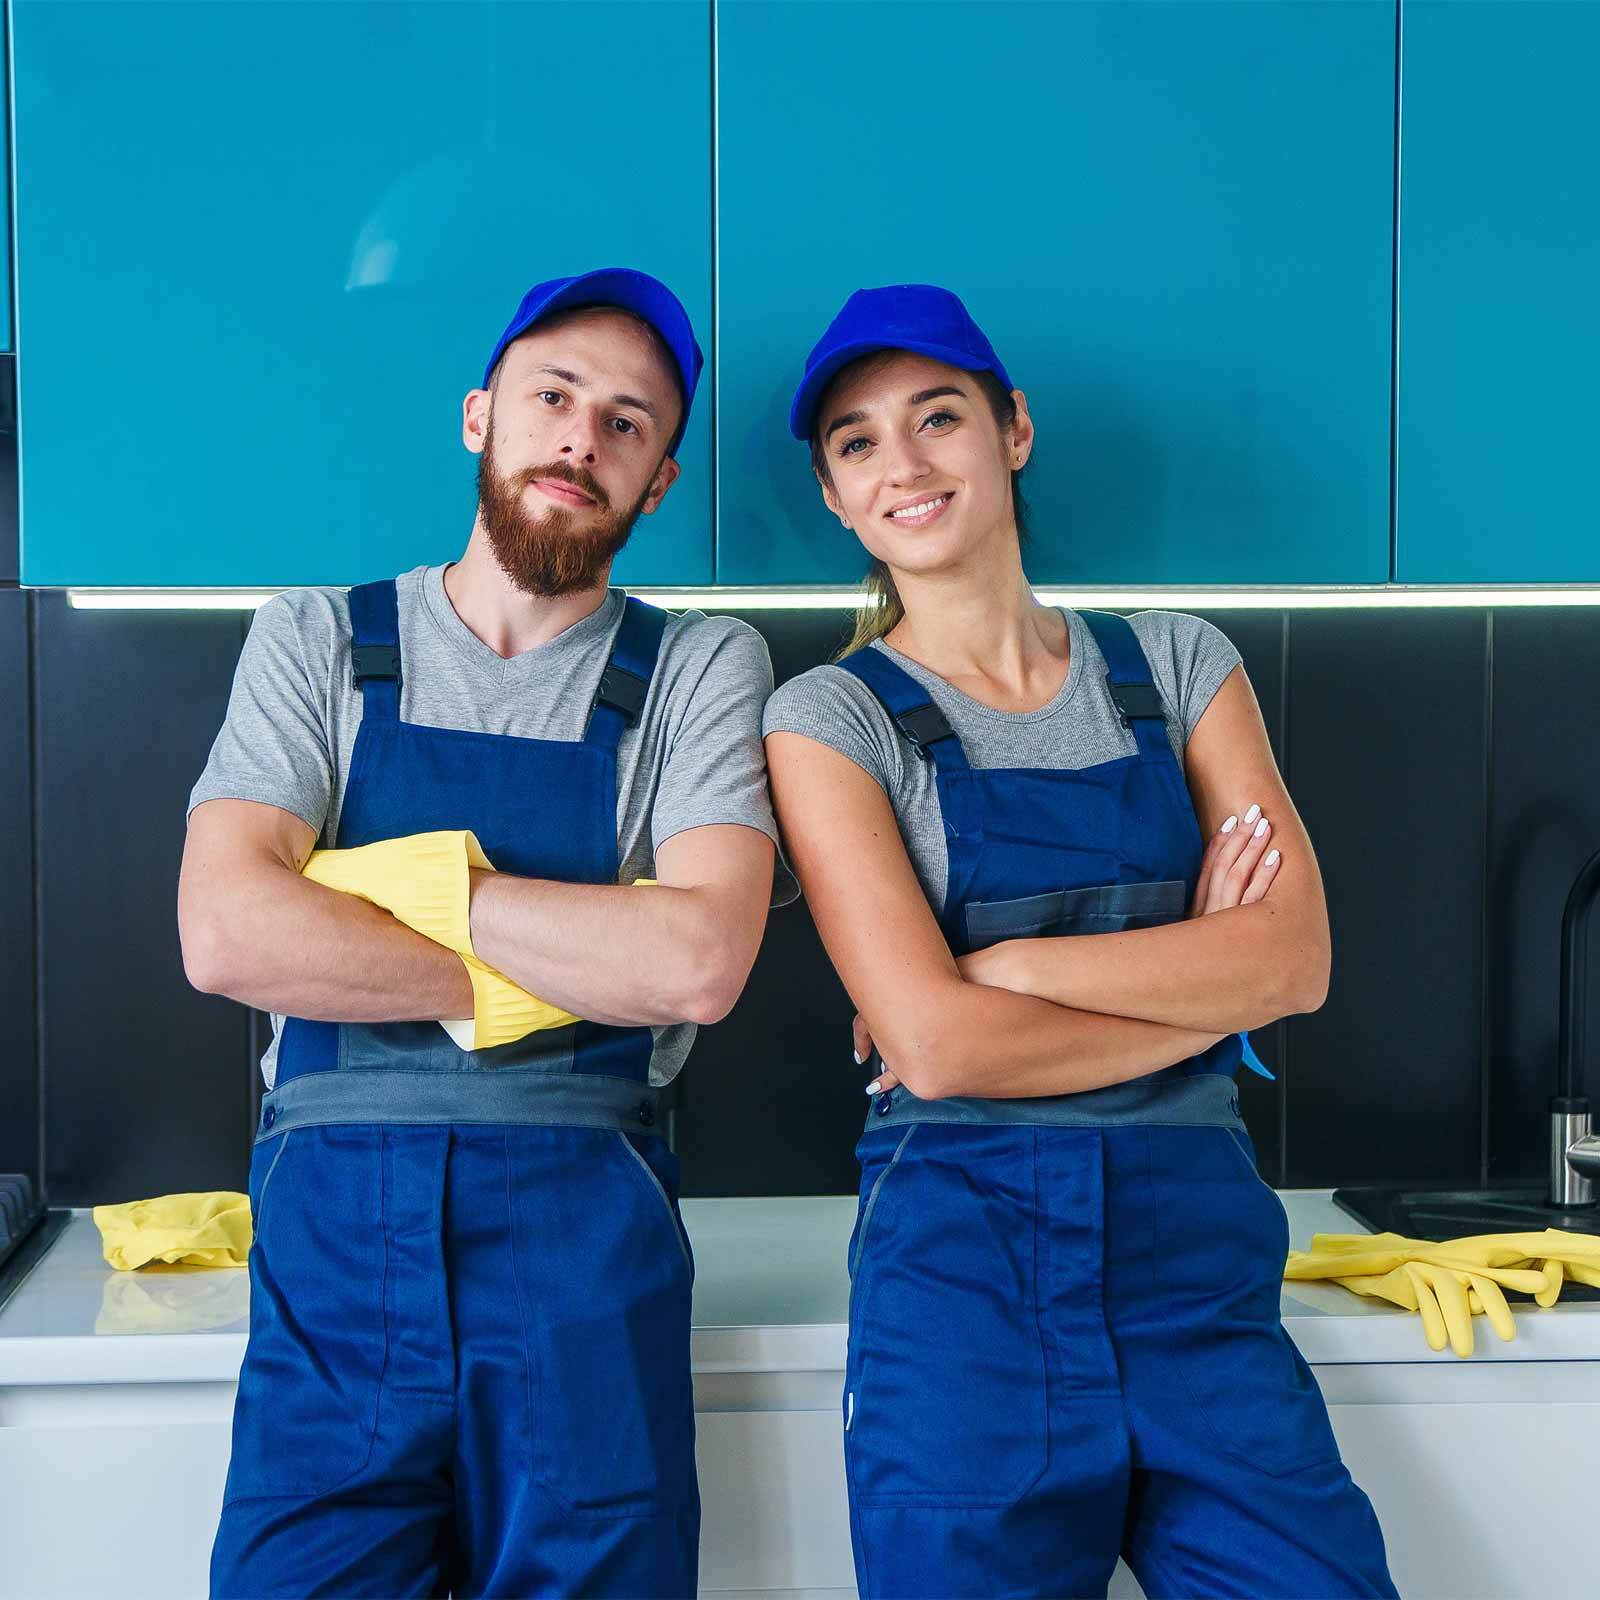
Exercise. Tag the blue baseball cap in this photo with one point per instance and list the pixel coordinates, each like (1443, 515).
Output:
(903, 316)
(637, 292)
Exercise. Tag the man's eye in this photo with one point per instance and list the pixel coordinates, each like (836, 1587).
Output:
(624, 423)
(551, 395)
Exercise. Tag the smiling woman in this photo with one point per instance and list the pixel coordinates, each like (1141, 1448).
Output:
(994, 807)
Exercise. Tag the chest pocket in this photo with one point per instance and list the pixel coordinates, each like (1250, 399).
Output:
(1101, 908)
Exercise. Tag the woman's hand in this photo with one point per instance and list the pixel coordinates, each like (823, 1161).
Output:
(1236, 869)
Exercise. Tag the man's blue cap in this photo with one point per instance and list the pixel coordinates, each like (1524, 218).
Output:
(637, 292)
(903, 316)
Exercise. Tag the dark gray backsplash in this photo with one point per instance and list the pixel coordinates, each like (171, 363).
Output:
(1443, 761)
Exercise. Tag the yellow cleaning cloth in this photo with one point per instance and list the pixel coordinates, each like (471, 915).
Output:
(201, 1230)
(1449, 1282)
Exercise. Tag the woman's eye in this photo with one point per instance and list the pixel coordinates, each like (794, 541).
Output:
(550, 395)
(933, 416)
(848, 448)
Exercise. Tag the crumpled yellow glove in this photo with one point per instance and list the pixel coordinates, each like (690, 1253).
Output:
(202, 1230)
(1449, 1282)
(420, 877)
(423, 880)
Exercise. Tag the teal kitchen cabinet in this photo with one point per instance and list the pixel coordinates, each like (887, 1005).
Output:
(264, 249)
(1174, 221)
(1499, 263)
(5, 211)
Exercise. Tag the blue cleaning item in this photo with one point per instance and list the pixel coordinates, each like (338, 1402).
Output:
(637, 292)
(468, 1361)
(903, 316)
(1252, 1060)
(1065, 1342)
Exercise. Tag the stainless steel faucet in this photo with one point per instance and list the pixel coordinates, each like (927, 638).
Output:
(1574, 1150)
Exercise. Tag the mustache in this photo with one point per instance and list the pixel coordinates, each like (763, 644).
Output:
(563, 473)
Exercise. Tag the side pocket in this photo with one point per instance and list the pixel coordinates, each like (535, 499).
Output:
(258, 1200)
(946, 1380)
(872, 1198)
(305, 1415)
(1220, 1245)
(661, 1194)
(1248, 1156)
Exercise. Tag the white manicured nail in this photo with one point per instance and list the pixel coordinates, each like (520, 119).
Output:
(1261, 827)
(1230, 824)
(860, 1059)
(1272, 858)
(1252, 813)
(872, 1088)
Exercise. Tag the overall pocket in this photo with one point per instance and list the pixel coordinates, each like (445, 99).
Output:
(307, 1405)
(605, 1274)
(1222, 1239)
(1101, 908)
(945, 1396)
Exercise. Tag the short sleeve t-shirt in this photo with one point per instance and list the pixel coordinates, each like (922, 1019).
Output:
(1080, 727)
(694, 758)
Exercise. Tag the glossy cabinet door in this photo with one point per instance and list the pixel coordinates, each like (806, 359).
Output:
(1499, 267)
(264, 250)
(5, 211)
(1175, 222)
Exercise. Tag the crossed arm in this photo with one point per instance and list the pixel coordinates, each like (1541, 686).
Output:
(252, 928)
(1054, 1016)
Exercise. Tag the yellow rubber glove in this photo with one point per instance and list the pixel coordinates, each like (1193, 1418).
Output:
(501, 1011)
(420, 877)
(1449, 1282)
(202, 1230)
(423, 880)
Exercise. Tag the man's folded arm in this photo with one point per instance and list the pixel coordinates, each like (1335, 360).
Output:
(675, 951)
(253, 929)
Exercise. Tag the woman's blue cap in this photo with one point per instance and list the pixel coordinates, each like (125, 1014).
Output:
(637, 292)
(903, 316)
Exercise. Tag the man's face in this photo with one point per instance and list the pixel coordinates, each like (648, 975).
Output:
(572, 444)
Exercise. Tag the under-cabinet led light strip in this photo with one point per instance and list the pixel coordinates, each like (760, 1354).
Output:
(733, 598)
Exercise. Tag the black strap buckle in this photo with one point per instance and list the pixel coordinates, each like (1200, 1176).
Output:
(623, 691)
(374, 661)
(922, 725)
(1136, 700)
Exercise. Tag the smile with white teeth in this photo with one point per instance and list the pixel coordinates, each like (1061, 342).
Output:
(912, 513)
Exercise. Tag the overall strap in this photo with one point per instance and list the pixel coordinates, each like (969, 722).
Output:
(375, 649)
(1128, 678)
(625, 682)
(910, 709)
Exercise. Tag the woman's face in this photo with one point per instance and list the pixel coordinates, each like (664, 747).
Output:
(920, 470)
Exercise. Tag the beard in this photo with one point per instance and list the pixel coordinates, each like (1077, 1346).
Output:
(559, 550)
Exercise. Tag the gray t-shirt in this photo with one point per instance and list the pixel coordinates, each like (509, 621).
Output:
(694, 758)
(1080, 727)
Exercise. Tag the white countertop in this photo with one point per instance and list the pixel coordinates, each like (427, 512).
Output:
(771, 1292)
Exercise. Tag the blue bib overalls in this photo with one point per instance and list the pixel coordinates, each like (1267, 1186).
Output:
(468, 1362)
(1065, 1341)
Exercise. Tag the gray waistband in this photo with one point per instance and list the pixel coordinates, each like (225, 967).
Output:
(556, 1099)
(1208, 1099)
